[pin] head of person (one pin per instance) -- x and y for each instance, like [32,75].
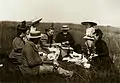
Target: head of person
[21,31]
[35,36]
[50,31]
[23,24]
[98,34]
[65,29]
[89,24]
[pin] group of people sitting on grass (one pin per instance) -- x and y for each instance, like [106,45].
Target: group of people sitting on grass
[38,53]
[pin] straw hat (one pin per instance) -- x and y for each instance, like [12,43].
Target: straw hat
[34,34]
[91,23]
[65,27]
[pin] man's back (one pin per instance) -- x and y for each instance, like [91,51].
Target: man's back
[30,59]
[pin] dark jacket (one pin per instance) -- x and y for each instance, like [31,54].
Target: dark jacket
[62,38]
[101,48]
[103,59]
[31,59]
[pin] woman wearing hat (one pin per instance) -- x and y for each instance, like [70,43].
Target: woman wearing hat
[90,29]
[31,61]
[90,38]
[18,43]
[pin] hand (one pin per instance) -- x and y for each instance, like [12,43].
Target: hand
[56,63]
[95,55]
[67,42]
[90,57]
[40,53]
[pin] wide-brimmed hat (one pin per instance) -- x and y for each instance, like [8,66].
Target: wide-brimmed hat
[65,27]
[34,34]
[91,23]
[88,37]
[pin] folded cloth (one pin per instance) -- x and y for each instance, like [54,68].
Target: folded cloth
[82,61]
[51,56]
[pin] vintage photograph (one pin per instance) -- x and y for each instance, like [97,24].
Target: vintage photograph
[59,41]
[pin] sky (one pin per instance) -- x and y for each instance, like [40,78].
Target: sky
[104,12]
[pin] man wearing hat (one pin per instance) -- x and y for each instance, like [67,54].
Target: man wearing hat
[32,64]
[18,43]
[65,36]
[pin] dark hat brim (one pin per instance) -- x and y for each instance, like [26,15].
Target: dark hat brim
[91,23]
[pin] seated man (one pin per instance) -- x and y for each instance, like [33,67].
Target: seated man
[65,37]
[32,64]
[18,43]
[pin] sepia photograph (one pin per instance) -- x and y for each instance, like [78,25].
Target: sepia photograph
[59,41]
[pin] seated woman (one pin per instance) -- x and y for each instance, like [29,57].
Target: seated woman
[32,64]
[103,59]
[18,43]
[97,51]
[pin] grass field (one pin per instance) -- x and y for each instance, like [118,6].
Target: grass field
[111,36]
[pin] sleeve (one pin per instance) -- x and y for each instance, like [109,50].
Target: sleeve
[17,45]
[71,40]
[58,38]
[105,50]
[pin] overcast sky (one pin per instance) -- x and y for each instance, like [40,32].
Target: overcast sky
[104,12]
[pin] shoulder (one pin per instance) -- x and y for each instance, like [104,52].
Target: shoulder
[59,34]
[16,40]
[103,42]
[69,34]
[29,43]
